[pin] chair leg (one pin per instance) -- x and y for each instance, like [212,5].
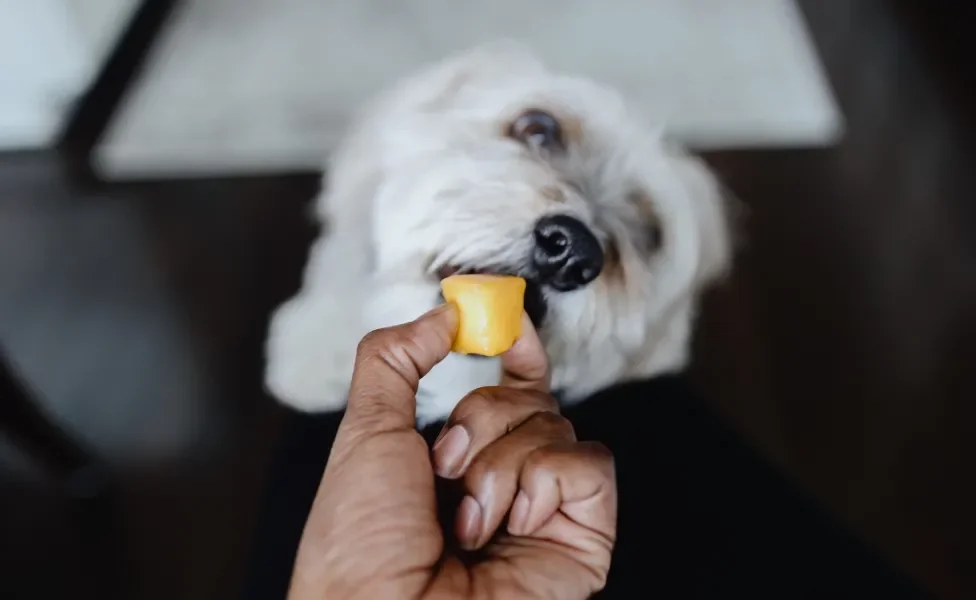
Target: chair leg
[84,480]
[36,435]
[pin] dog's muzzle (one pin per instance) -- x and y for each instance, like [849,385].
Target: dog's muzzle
[567,255]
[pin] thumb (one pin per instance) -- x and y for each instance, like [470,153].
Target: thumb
[378,485]
[389,365]
[525,365]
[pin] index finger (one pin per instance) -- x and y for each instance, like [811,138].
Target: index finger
[525,365]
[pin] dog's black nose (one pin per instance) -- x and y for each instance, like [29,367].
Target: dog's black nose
[567,255]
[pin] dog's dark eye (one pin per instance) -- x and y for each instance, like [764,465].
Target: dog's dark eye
[654,237]
[652,233]
[539,130]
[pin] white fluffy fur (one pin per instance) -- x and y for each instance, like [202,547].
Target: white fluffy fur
[427,177]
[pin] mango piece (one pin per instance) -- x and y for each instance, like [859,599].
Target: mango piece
[490,308]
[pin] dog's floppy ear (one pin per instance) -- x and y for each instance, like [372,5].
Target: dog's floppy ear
[712,206]
[313,336]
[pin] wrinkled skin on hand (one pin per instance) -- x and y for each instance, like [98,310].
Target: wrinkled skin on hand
[538,505]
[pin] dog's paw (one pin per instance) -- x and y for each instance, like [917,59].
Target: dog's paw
[311,351]
[309,395]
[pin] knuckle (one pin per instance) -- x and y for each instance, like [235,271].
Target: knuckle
[597,449]
[539,459]
[535,400]
[546,400]
[373,342]
[587,459]
[477,402]
[387,346]
[555,424]
[482,397]
[601,457]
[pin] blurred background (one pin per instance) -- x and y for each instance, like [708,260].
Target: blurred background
[157,158]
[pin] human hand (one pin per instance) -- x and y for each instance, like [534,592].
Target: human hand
[373,530]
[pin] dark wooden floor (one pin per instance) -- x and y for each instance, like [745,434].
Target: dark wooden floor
[841,347]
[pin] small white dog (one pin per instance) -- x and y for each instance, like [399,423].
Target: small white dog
[489,162]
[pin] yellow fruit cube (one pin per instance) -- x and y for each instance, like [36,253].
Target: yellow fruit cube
[490,308]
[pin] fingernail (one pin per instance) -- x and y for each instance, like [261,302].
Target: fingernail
[437,310]
[519,515]
[449,452]
[469,523]
[447,307]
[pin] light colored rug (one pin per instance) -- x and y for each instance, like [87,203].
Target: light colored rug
[267,85]
[50,53]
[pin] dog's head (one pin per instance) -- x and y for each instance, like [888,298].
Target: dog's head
[491,163]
